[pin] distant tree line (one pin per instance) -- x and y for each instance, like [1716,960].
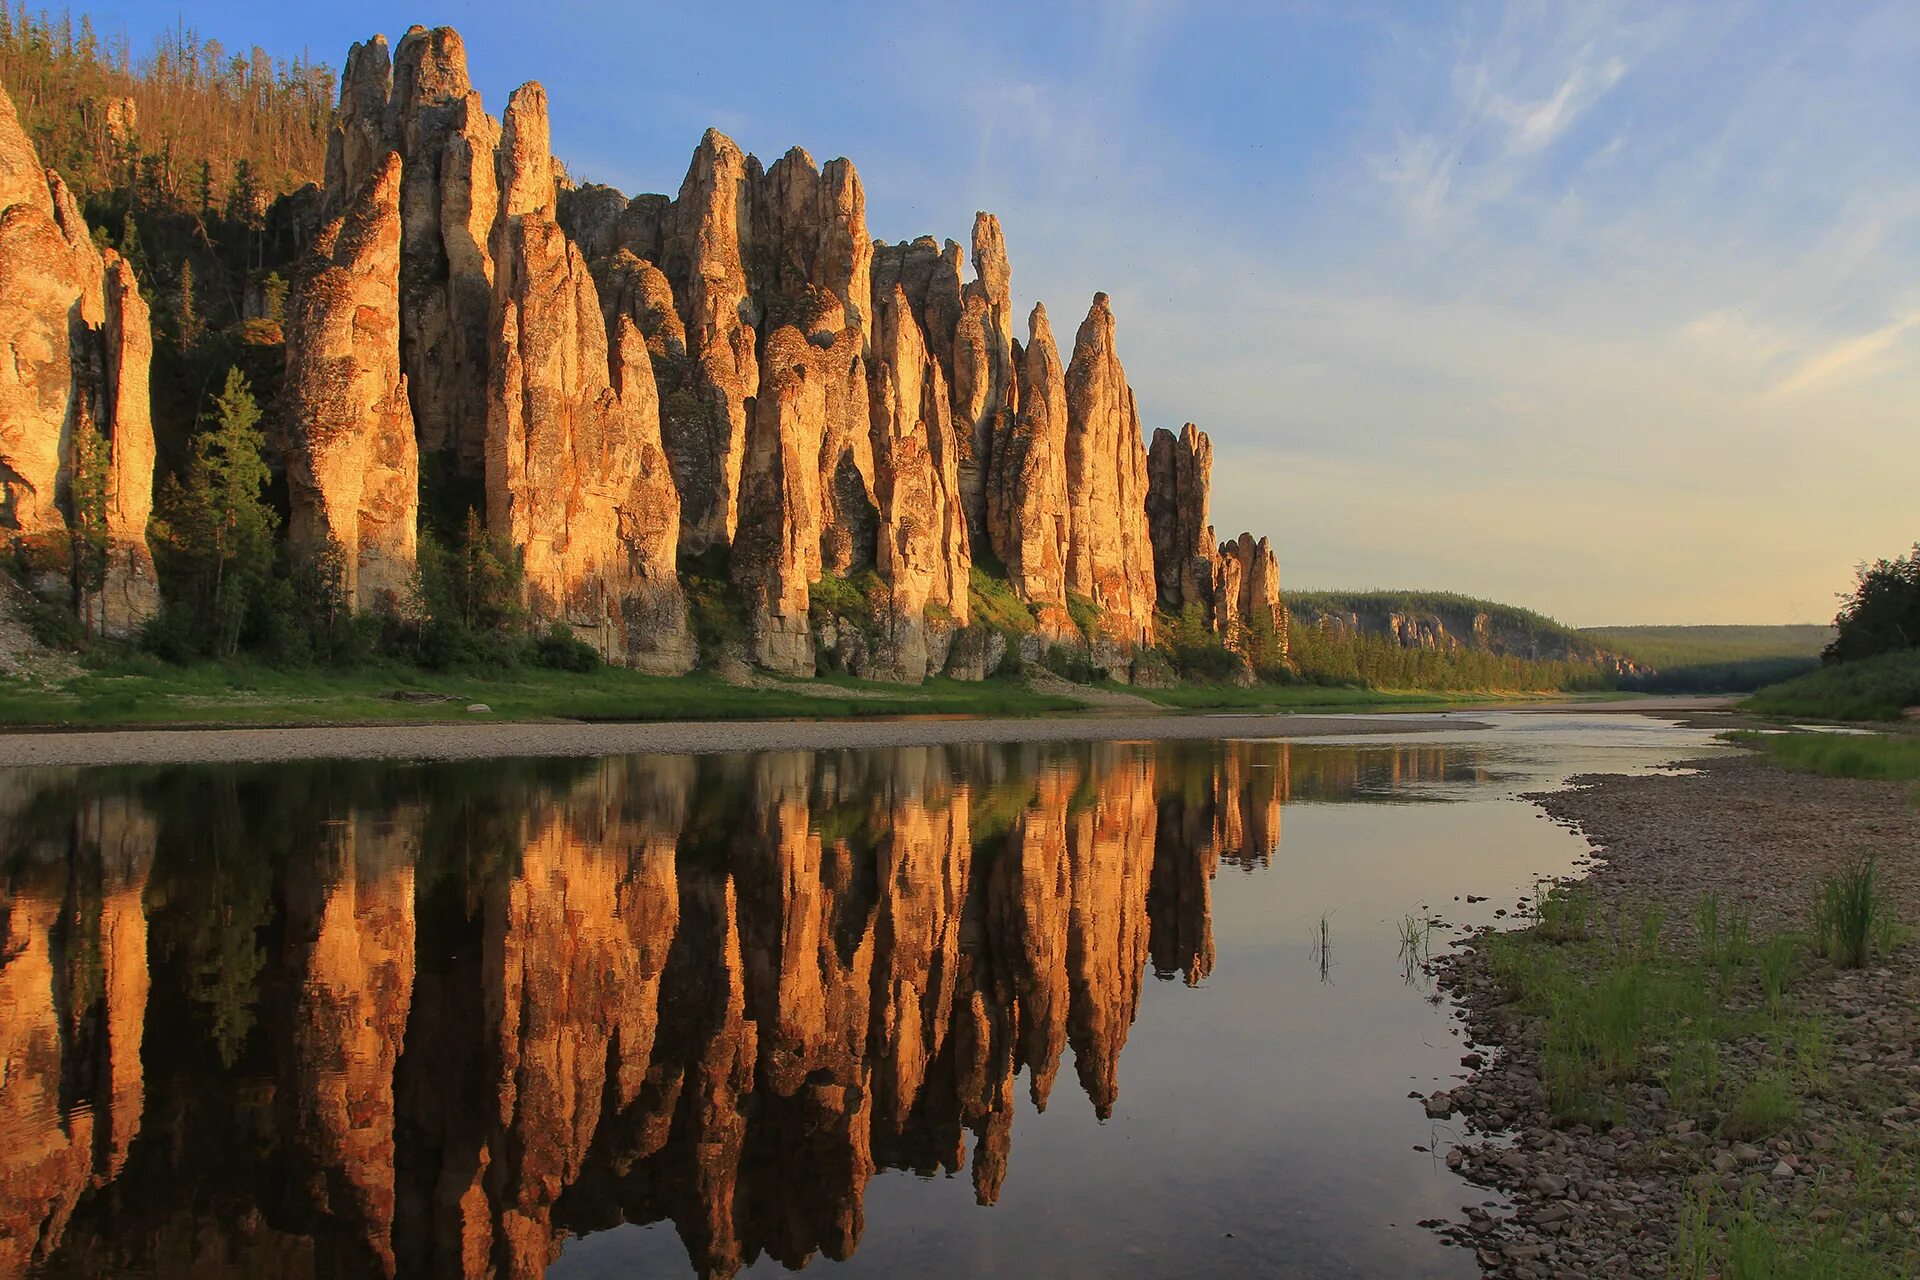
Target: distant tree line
[1343,656]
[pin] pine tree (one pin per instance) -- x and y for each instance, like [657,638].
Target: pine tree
[216,526]
[186,316]
[87,524]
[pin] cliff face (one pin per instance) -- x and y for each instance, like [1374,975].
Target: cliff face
[1109,551]
[738,375]
[576,474]
[353,467]
[75,383]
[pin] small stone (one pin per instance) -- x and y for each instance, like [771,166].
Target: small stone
[1783,1170]
[479,709]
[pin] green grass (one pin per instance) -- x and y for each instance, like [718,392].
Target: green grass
[148,692]
[1888,757]
[1847,916]
[1878,688]
[1329,697]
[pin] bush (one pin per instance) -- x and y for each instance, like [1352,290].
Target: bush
[560,650]
[1072,664]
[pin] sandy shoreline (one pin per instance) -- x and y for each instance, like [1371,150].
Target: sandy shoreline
[483,741]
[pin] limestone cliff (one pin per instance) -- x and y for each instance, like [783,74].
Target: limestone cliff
[353,466]
[76,381]
[923,551]
[701,237]
[1109,553]
[1027,510]
[577,478]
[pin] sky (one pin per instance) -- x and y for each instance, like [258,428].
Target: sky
[1609,310]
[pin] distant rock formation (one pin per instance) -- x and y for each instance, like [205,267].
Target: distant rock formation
[1234,586]
[79,345]
[353,466]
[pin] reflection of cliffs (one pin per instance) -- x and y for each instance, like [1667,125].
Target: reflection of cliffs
[73,1008]
[451,1016]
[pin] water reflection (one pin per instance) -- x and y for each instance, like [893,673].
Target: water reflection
[347,1019]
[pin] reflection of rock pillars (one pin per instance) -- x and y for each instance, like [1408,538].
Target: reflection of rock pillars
[48,1155]
[1252,782]
[1110,849]
[575,948]
[350,930]
[717,991]
[925,860]
[806,925]
[73,1000]
[1185,856]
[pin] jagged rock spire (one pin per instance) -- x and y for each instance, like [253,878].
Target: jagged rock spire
[353,468]
[577,478]
[79,346]
[1109,554]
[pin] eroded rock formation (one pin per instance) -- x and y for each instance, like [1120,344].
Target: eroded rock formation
[1109,553]
[923,553]
[577,478]
[1027,511]
[353,466]
[701,253]
[76,432]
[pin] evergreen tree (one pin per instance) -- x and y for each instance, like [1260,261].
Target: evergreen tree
[216,527]
[87,524]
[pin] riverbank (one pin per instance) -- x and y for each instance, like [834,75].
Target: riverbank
[473,741]
[1668,1078]
[144,691]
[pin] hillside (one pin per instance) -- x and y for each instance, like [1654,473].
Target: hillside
[1721,658]
[1440,639]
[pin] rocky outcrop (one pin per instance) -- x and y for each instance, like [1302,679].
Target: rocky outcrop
[448,202]
[929,274]
[776,552]
[809,232]
[1185,556]
[982,370]
[923,553]
[1249,594]
[701,253]
[74,387]
[353,470]
[1109,553]
[1027,510]
[577,478]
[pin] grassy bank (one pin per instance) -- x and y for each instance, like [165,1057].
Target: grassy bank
[139,690]
[1889,757]
[1879,688]
[1313,697]
[240,693]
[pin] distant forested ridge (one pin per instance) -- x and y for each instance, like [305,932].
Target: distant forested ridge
[1442,640]
[1734,659]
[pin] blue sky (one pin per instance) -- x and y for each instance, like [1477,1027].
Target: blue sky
[1610,310]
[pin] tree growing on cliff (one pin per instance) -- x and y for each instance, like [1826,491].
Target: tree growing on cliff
[1881,613]
[216,529]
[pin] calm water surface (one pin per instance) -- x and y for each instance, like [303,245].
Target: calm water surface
[1032,1010]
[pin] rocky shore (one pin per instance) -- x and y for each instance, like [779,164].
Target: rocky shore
[1779,1125]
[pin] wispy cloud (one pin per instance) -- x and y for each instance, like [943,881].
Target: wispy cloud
[1846,357]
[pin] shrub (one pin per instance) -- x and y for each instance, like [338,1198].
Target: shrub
[560,649]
